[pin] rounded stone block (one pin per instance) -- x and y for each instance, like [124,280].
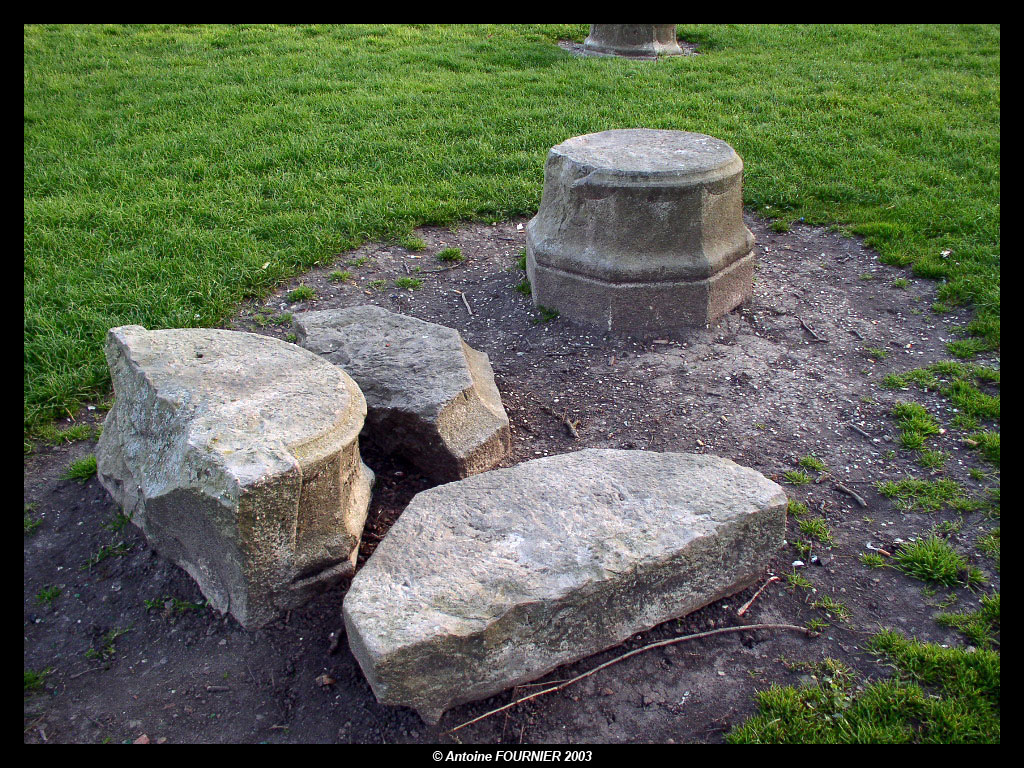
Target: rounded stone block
[238,457]
[641,231]
[644,41]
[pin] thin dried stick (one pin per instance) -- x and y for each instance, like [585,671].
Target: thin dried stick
[566,421]
[855,428]
[810,330]
[465,301]
[856,496]
[750,602]
[570,425]
[83,672]
[623,657]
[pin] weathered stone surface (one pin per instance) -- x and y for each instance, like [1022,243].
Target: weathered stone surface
[641,231]
[429,396]
[644,41]
[237,455]
[495,580]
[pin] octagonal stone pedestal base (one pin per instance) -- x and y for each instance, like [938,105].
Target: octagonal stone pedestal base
[641,231]
[635,41]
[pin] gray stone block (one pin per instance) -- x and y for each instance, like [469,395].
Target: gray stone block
[237,455]
[495,580]
[641,231]
[635,41]
[430,396]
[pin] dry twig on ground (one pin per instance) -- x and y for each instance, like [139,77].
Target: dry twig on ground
[629,654]
[856,496]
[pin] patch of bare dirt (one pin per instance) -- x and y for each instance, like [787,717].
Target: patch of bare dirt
[131,652]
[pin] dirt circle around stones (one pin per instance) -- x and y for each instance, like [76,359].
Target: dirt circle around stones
[130,653]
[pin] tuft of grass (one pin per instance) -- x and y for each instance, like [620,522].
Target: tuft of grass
[35,680]
[359,262]
[547,314]
[971,400]
[894,381]
[173,605]
[933,559]
[31,523]
[82,469]
[302,293]
[960,383]
[965,349]
[796,508]
[377,285]
[873,560]
[798,581]
[412,243]
[932,459]
[105,551]
[117,522]
[340,276]
[990,507]
[900,283]
[927,495]
[876,352]
[988,444]
[47,595]
[964,422]
[106,648]
[937,696]
[521,260]
[816,528]
[50,434]
[947,527]
[989,545]
[412,283]
[981,626]
[451,255]
[525,288]
[796,477]
[831,606]
[915,424]
[813,463]
[779,226]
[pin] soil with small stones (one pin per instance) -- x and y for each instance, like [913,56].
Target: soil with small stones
[131,652]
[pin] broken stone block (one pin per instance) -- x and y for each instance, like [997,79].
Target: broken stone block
[635,41]
[641,231]
[495,580]
[430,397]
[238,457]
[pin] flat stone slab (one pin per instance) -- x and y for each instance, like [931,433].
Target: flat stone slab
[641,231]
[238,457]
[495,580]
[430,397]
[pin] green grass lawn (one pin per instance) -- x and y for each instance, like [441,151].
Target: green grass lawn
[170,172]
